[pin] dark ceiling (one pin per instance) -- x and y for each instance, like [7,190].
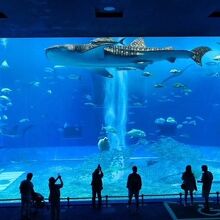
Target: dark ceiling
[87,18]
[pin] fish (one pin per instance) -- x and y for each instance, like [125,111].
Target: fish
[4,42]
[217,58]
[187,90]
[6,90]
[199,118]
[24,120]
[74,76]
[179,85]
[88,97]
[109,129]
[185,122]
[16,130]
[216,74]
[179,126]
[137,104]
[193,122]
[48,70]
[49,91]
[35,83]
[5,98]
[147,74]
[158,85]
[89,104]
[175,71]
[136,133]
[184,135]
[105,52]
[4,64]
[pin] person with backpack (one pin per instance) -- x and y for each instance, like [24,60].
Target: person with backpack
[27,191]
[134,184]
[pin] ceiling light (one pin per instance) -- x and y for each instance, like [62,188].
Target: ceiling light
[109,8]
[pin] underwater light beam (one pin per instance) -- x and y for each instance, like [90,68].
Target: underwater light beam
[122,106]
[116,107]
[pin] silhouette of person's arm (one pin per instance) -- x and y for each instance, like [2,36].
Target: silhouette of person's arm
[61,181]
[140,183]
[32,189]
[194,182]
[128,181]
[101,173]
[201,180]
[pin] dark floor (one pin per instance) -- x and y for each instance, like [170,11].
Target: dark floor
[196,211]
[119,211]
[150,211]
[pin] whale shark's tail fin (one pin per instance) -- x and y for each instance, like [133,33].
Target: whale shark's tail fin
[198,53]
[121,41]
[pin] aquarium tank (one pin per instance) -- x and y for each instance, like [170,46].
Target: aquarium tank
[69,104]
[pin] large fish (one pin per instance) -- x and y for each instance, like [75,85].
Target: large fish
[107,53]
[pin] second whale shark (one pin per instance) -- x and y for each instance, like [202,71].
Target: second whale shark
[107,53]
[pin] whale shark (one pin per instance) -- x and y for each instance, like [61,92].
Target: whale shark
[108,53]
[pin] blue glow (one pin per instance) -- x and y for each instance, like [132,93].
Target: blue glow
[160,112]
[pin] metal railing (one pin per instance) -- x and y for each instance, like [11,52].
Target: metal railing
[107,199]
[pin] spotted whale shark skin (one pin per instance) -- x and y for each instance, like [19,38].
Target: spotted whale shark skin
[108,53]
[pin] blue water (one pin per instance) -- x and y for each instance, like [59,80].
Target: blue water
[160,171]
[45,100]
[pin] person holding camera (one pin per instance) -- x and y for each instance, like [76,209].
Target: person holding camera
[97,186]
[54,197]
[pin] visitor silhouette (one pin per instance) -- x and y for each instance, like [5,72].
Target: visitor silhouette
[54,197]
[189,183]
[97,186]
[134,184]
[206,181]
[27,191]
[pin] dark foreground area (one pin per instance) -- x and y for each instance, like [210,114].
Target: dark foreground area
[149,211]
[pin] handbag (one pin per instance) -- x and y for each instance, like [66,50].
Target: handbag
[183,186]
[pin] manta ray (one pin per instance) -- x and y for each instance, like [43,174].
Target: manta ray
[108,53]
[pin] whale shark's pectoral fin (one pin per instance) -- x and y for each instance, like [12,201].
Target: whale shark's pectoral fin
[105,73]
[171,59]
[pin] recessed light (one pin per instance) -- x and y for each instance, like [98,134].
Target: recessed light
[109,8]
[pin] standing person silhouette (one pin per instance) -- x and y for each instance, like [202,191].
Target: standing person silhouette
[190,183]
[27,191]
[134,184]
[206,180]
[97,186]
[54,197]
